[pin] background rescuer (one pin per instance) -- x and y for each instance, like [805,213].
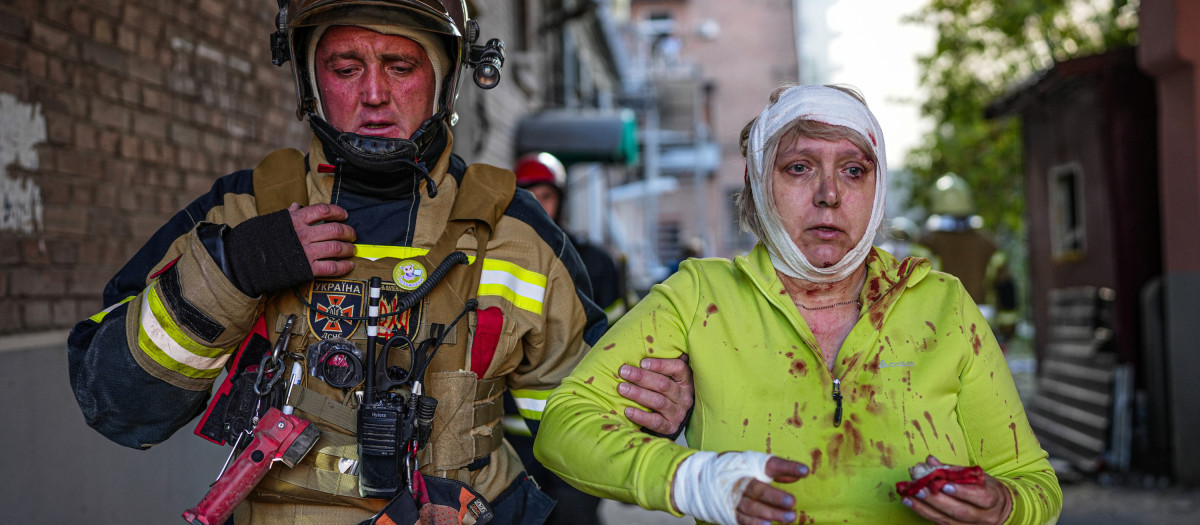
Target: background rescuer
[379,195]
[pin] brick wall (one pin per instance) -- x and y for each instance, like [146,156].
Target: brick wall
[113,116]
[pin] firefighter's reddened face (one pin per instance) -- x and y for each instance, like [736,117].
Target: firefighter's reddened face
[373,84]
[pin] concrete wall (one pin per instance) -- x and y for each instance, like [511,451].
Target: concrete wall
[60,471]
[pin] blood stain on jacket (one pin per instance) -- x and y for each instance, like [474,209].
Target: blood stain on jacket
[799,368]
[885,453]
[873,366]
[917,424]
[976,342]
[1016,444]
[795,420]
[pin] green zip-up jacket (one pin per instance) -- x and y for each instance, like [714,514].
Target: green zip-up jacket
[920,374]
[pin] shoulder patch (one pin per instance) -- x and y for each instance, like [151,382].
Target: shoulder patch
[333,300]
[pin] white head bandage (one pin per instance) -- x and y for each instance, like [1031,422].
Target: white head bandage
[830,106]
[427,41]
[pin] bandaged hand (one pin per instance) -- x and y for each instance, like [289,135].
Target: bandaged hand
[734,487]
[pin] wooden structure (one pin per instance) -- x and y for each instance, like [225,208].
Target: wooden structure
[1089,128]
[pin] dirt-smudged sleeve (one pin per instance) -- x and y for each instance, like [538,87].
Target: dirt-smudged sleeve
[585,437]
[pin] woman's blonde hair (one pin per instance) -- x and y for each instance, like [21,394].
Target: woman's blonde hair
[744,200]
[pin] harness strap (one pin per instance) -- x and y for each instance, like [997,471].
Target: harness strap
[461,439]
[323,409]
[321,469]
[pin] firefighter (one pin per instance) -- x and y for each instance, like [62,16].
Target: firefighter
[482,294]
[959,246]
[546,178]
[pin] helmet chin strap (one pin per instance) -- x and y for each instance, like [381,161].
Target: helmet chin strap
[376,156]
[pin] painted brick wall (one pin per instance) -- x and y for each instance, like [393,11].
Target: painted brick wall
[113,116]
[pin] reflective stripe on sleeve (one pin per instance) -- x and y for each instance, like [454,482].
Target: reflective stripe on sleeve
[163,341]
[523,288]
[104,313]
[531,403]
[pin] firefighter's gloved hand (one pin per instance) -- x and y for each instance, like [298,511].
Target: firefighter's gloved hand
[327,241]
[734,487]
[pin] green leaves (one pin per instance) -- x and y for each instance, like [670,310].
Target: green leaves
[984,49]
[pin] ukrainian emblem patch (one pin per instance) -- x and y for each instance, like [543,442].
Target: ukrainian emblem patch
[333,300]
[409,274]
[406,322]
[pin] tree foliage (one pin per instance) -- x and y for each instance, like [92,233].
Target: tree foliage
[984,49]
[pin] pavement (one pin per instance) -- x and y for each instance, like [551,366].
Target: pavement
[1129,503]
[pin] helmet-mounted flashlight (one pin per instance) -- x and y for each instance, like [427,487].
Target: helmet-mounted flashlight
[487,60]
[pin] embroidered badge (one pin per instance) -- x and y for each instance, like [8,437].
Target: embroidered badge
[333,300]
[403,323]
[408,274]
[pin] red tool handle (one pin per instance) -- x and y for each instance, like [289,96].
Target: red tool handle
[274,433]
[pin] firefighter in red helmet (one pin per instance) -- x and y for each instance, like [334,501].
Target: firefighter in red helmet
[546,178]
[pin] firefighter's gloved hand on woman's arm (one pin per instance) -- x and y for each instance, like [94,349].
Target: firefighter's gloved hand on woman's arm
[734,487]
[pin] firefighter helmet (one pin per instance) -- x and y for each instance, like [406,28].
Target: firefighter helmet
[540,168]
[951,195]
[441,27]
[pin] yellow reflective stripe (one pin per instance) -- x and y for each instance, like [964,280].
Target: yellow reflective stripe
[521,287]
[378,251]
[524,275]
[515,425]
[531,403]
[176,334]
[157,337]
[104,313]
